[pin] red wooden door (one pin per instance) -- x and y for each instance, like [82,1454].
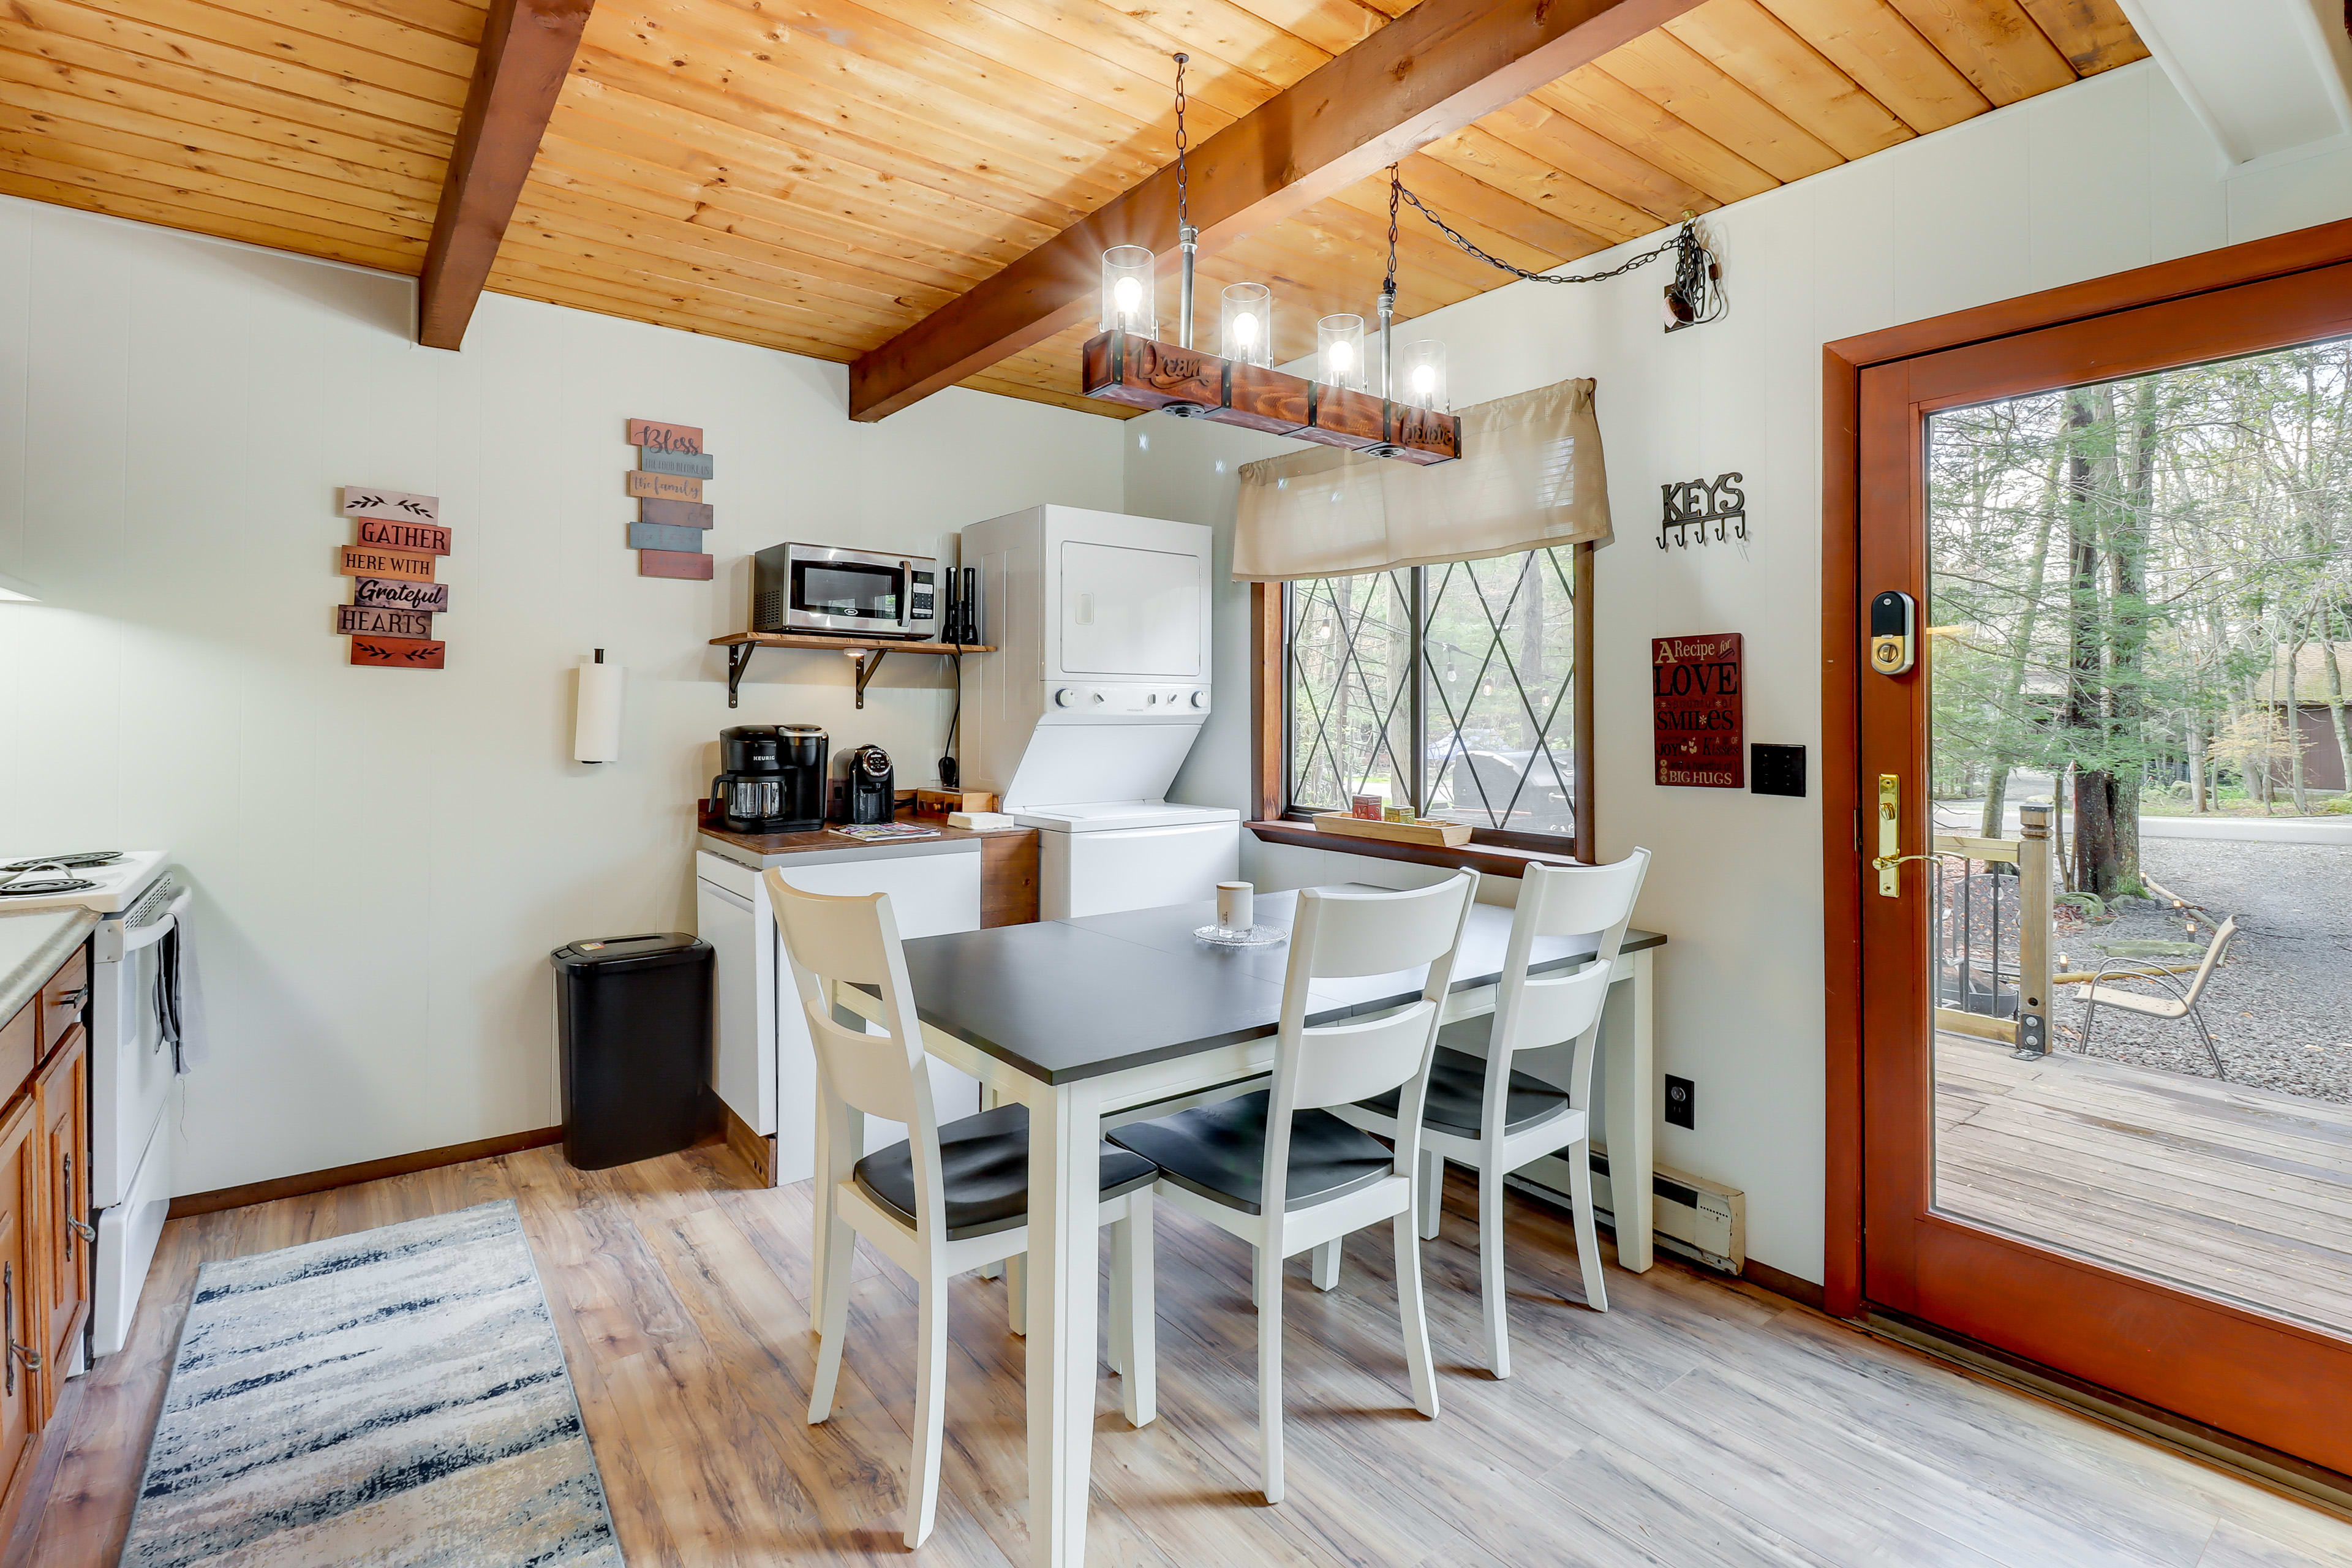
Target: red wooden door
[2223,1359]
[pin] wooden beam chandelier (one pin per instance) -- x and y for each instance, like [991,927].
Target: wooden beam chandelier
[1398,408]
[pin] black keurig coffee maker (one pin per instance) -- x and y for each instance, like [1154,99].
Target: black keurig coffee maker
[771,779]
[866,793]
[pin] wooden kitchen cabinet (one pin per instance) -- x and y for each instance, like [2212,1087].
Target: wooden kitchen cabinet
[20,1392]
[61,1110]
[45,1235]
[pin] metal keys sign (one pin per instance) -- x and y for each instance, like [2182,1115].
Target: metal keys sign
[1696,706]
[1694,503]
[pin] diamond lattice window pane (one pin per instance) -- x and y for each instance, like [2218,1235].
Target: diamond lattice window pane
[1499,678]
[1350,689]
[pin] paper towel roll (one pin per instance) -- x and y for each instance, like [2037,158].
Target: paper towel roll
[596,733]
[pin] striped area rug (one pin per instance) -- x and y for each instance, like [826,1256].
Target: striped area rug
[393,1397]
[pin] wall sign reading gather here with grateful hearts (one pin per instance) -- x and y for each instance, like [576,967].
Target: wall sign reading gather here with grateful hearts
[1696,703]
[392,564]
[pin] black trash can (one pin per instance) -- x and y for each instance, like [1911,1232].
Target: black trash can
[632,1018]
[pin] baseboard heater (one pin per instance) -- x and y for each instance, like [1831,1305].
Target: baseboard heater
[1691,1216]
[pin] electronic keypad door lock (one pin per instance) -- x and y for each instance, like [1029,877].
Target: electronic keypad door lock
[1894,627]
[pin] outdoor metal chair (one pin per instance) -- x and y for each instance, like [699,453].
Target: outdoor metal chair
[2181,1003]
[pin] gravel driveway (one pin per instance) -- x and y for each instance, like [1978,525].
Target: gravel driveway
[2280,1007]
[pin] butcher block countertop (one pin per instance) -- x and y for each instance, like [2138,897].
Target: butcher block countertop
[765,850]
[31,944]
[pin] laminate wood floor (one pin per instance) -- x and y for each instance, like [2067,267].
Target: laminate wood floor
[1699,1423]
[2243,1193]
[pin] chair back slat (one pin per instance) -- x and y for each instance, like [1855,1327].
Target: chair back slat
[1583,900]
[1554,1008]
[1339,1063]
[867,1070]
[1363,931]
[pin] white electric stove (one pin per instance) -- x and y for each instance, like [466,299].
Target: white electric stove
[133,1077]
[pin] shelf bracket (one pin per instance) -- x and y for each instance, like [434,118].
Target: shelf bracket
[867,663]
[739,655]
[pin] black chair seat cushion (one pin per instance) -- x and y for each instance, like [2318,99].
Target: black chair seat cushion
[1457,1097]
[985,1165]
[1219,1152]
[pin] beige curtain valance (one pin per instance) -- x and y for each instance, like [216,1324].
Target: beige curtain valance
[1531,477]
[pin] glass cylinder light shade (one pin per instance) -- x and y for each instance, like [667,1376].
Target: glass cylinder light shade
[1420,375]
[1339,352]
[1130,301]
[1249,323]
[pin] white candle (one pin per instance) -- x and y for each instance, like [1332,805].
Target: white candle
[1236,906]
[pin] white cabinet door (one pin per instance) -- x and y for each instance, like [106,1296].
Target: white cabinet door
[743,1066]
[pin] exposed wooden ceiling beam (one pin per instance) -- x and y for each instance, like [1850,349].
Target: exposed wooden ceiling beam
[526,51]
[1440,66]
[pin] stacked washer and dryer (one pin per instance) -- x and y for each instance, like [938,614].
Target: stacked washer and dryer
[1098,687]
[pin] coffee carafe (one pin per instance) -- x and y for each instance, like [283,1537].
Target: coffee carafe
[772,778]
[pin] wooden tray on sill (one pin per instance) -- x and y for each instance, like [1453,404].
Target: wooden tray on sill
[1436,835]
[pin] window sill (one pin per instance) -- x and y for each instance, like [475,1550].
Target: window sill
[1488,859]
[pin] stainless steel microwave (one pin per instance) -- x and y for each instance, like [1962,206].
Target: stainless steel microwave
[823,588]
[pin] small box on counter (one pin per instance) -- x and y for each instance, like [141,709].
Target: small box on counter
[1367,806]
[940,802]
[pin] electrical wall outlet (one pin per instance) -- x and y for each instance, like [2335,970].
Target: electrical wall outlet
[1682,1103]
[1776,770]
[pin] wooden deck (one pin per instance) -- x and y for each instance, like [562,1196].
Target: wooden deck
[2242,1193]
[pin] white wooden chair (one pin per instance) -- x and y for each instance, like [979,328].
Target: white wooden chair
[1495,1120]
[1219,1161]
[947,1200]
[2181,1002]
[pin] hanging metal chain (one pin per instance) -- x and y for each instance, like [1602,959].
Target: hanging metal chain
[1396,189]
[1685,236]
[1183,216]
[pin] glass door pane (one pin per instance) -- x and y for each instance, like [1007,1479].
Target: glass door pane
[2139,629]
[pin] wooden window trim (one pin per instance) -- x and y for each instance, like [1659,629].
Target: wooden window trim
[1843,363]
[1499,852]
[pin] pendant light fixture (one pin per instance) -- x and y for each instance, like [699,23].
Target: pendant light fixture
[1348,403]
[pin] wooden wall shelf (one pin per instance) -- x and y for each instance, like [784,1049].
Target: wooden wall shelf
[869,652]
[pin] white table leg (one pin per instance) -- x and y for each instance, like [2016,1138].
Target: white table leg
[1633,1118]
[1065,1176]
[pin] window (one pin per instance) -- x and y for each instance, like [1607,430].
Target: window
[1451,688]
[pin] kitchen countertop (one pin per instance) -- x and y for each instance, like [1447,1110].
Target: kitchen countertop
[31,944]
[765,850]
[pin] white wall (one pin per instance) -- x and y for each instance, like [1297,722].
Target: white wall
[385,859]
[2110,173]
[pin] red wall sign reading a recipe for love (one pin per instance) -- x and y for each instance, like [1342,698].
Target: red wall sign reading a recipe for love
[392,563]
[1697,711]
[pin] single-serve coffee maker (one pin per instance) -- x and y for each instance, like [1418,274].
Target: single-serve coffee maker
[772,778]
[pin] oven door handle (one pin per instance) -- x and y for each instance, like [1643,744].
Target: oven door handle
[149,935]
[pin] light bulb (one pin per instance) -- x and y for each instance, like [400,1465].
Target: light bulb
[1424,380]
[1246,329]
[1343,357]
[1126,294]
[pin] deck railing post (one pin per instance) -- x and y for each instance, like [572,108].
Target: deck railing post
[2033,878]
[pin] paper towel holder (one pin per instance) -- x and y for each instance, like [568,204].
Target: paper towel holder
[607,740]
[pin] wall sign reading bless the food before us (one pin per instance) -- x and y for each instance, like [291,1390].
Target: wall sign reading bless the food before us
[392,566]
[1696,713]
[672,517]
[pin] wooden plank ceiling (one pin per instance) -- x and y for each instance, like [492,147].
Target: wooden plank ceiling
[817,175]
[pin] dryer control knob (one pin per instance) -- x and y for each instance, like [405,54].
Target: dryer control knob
[1199,700]
[1151,698]
[1098,697]
[1065,696]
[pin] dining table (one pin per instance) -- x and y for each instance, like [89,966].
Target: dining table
[1083,1019]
